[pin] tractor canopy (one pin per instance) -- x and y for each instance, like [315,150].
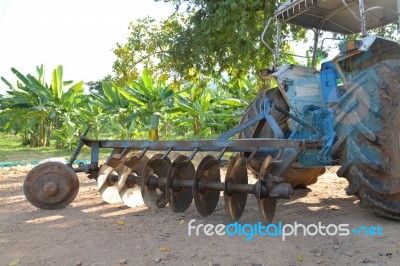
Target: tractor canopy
[339,16]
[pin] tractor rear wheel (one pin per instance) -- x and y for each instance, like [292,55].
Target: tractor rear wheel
[368,129]
[297,177]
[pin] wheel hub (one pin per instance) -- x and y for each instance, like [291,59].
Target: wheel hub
[50,189]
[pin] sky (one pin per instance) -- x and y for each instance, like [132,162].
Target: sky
[78,34]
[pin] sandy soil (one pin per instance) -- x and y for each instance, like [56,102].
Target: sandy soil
[90,232]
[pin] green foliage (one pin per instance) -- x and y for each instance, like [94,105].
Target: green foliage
[34,109]
[206,40]
[68,132]
[148,46]
[195,105]
[129,110]
[41,113]
[153,100]
[207,112]
[109,110]
[97,86]
[321,54]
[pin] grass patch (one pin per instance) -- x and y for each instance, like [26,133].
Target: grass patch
[11,150]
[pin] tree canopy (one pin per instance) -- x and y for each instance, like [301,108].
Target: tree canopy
[207,38]
[204,39]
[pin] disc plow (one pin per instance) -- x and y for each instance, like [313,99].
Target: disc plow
[131,177]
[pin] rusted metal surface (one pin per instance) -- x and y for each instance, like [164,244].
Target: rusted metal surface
[107,182]
[266,204]
[267,207]
[107,179]
[152,192]
[51,186]
[162,182]
[206,200]
[240,145]
[179,195]
[130,180]
[236,174]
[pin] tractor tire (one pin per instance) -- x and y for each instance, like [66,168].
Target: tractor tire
[297,177]
[368,130]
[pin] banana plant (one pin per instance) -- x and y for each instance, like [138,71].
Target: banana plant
[210,111]
[153,100]
[195,104]
[34,109]
[112,111]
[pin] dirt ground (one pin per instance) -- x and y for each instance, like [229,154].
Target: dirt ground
[91,232]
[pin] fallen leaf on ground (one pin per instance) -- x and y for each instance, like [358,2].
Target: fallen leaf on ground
[119,222]
[164,249]
[14,262]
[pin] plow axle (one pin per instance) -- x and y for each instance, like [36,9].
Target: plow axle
[177,183]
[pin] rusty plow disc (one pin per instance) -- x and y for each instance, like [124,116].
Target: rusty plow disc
[179,184]
[107,182]
[51,186]
[207,172]
[130,180]
[235,202]
[266,204]
[153,182]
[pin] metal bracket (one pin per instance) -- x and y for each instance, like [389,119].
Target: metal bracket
[287,158]
[167,152]
[266,108]
[241,127]
[94,156]
[325,155]
[142,153]
[295,118]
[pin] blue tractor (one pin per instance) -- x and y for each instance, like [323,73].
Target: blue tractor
[346,114]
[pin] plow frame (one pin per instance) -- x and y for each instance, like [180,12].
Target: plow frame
[286,149]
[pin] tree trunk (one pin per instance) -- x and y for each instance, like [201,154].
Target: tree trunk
[197,126]
[154,123]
